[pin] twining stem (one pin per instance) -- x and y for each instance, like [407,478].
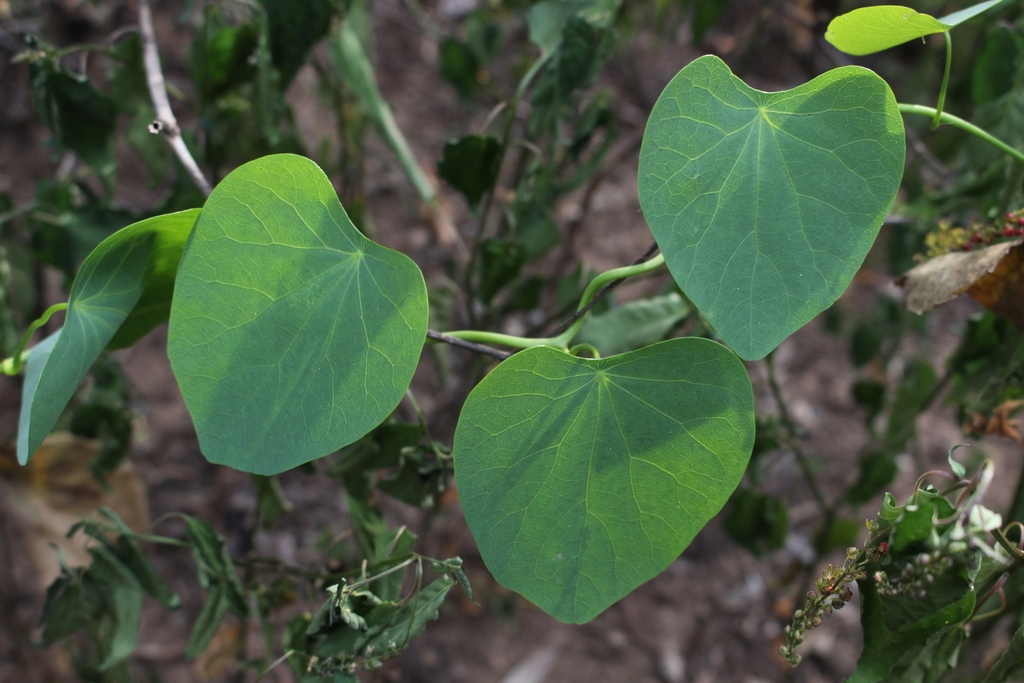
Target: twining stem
[168,124]
[392,570]
[14,364]
[468,345]
[802,460]
[562,340]
[481,226]
[598,283]
[945,81]
[590,348]
[583,310]
[964,125]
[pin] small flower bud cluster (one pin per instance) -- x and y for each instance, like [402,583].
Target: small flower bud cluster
[833,593]
[946,237]
[916,576]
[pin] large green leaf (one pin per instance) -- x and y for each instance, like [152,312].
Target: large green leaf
[122,291]
[873,29]
[765,204]
[581,479]
[291,334]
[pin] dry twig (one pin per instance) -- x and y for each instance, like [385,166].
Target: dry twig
[165,124]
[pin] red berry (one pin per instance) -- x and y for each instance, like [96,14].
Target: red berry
[976,238]
[1019,232]
[966,246]
[1020,221]
[1008,231]
[1008,216]
[883,548]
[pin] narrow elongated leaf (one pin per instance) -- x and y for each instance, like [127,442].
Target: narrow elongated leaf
[122,291]
[581,479]
[214,564]
[957,18]
[354,64]
[765,204]
[291,334]
[209,620]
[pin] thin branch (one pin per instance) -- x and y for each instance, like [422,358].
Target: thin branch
[647,255]
[794,440]
[165,124]
[468,345]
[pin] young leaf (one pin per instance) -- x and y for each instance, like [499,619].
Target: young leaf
[470,165]
[872,29]
[82,118]
[121,292]
[765,204]
[291,334]
[460,66]
[581,479]
[955,467]
[634,324]
[389,629]
[757,521]
[412,618]
[121,604]
[501,261]
[546,20]
[213,561]
[69,607]
[214,610]
[295,27]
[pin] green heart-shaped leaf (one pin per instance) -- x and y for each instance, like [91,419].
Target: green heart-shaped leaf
[581,479]
[291,334]
[765,204]
[122,291]
[872,29]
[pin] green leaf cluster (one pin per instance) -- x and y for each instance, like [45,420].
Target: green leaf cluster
[106,597]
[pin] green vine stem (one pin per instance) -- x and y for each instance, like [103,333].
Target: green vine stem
[589,348]
[945,82]
[14,364]
[964,125]
[562,340]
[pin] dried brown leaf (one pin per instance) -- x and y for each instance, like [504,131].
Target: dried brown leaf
[56,490]
[991,274]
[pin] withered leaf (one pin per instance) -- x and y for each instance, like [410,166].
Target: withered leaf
[993,275]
